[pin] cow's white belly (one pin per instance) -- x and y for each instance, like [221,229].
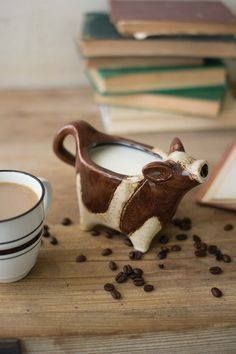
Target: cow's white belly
[111,217]
[142,237]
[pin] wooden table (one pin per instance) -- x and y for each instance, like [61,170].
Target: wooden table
[61,306]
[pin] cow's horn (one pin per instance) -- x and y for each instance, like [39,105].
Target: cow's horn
[176,145]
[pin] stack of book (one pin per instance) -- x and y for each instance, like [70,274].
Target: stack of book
[157,65]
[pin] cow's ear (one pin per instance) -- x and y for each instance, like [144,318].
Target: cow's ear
[157,172]
[176,145]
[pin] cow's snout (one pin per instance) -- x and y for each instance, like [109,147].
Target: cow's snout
[199,170]
[204,170]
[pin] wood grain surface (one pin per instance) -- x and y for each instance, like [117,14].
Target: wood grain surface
[62,298]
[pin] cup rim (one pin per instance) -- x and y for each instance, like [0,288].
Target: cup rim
[38,202]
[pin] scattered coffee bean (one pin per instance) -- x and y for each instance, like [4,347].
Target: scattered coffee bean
[184,224]
[212,249]
[162,254]
[127,269]
[109,287]
[106,252]
[202,246]
[121,277]
[108,234]
[196,239]
[115,294]
[200,253]
[148,288]
[186,220]
[138,281]
[215,270]
[46,232]
[219,255]
[46,227]
[226,258]
[53,240]
[95,232]
[135,255]
[228,227]
[216,292]
[127,242]
[175,248]
[66,221]
[161,266]
[138,272]
[133,275]
[163,239]
[181,237]
[112,265]
[81,258]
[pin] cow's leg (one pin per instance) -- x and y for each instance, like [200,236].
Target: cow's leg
[142,238]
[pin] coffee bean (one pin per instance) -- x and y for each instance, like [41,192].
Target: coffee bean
[95,232]
[66,221]
[196,239]
[127,242]
[112,265]
[215,270]
[138,272]
[108,234]
[200,253]
[115,294]
[212,249]
[216,292]
[138,281]
[53,240]
[106,252]
[109,287]
[161,266]
[185,227]
[46,232]
[228,227]
[162,254]
[121,277]
[177,222]
[175,248]
[186,220]
[127,269]
[46,227]
[133,275]
[226,258]
[181,237]
[219,255]
[148,288]
[165,249]
[135,255]
[81,258]
[202,246]
[163,239]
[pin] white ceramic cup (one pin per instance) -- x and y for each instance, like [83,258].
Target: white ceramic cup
[20,236]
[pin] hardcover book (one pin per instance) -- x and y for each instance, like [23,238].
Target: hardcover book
[99,38]
[143,18]
[126,80]
[220,190]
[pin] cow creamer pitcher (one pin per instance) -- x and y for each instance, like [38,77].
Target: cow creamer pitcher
[125,185]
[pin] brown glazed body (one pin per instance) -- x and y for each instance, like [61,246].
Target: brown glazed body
[138,206]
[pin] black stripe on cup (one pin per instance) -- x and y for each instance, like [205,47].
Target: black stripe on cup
[21,238]
[21,247]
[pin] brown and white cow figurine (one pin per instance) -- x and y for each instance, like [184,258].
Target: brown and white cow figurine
[128,186]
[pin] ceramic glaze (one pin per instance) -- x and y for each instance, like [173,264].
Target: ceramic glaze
[122,159]
[128,186]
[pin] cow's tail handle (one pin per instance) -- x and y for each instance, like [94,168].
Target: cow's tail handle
[80,130]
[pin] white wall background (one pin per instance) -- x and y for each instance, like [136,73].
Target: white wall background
[37,41]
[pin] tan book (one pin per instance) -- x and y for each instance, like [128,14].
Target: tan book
[123,120]
[203,101]
[126,80]
[143,18]
[220,189]
[139,62]
[99,38]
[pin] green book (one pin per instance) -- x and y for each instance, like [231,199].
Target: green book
[146,79]
[99,38]
[198,101]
